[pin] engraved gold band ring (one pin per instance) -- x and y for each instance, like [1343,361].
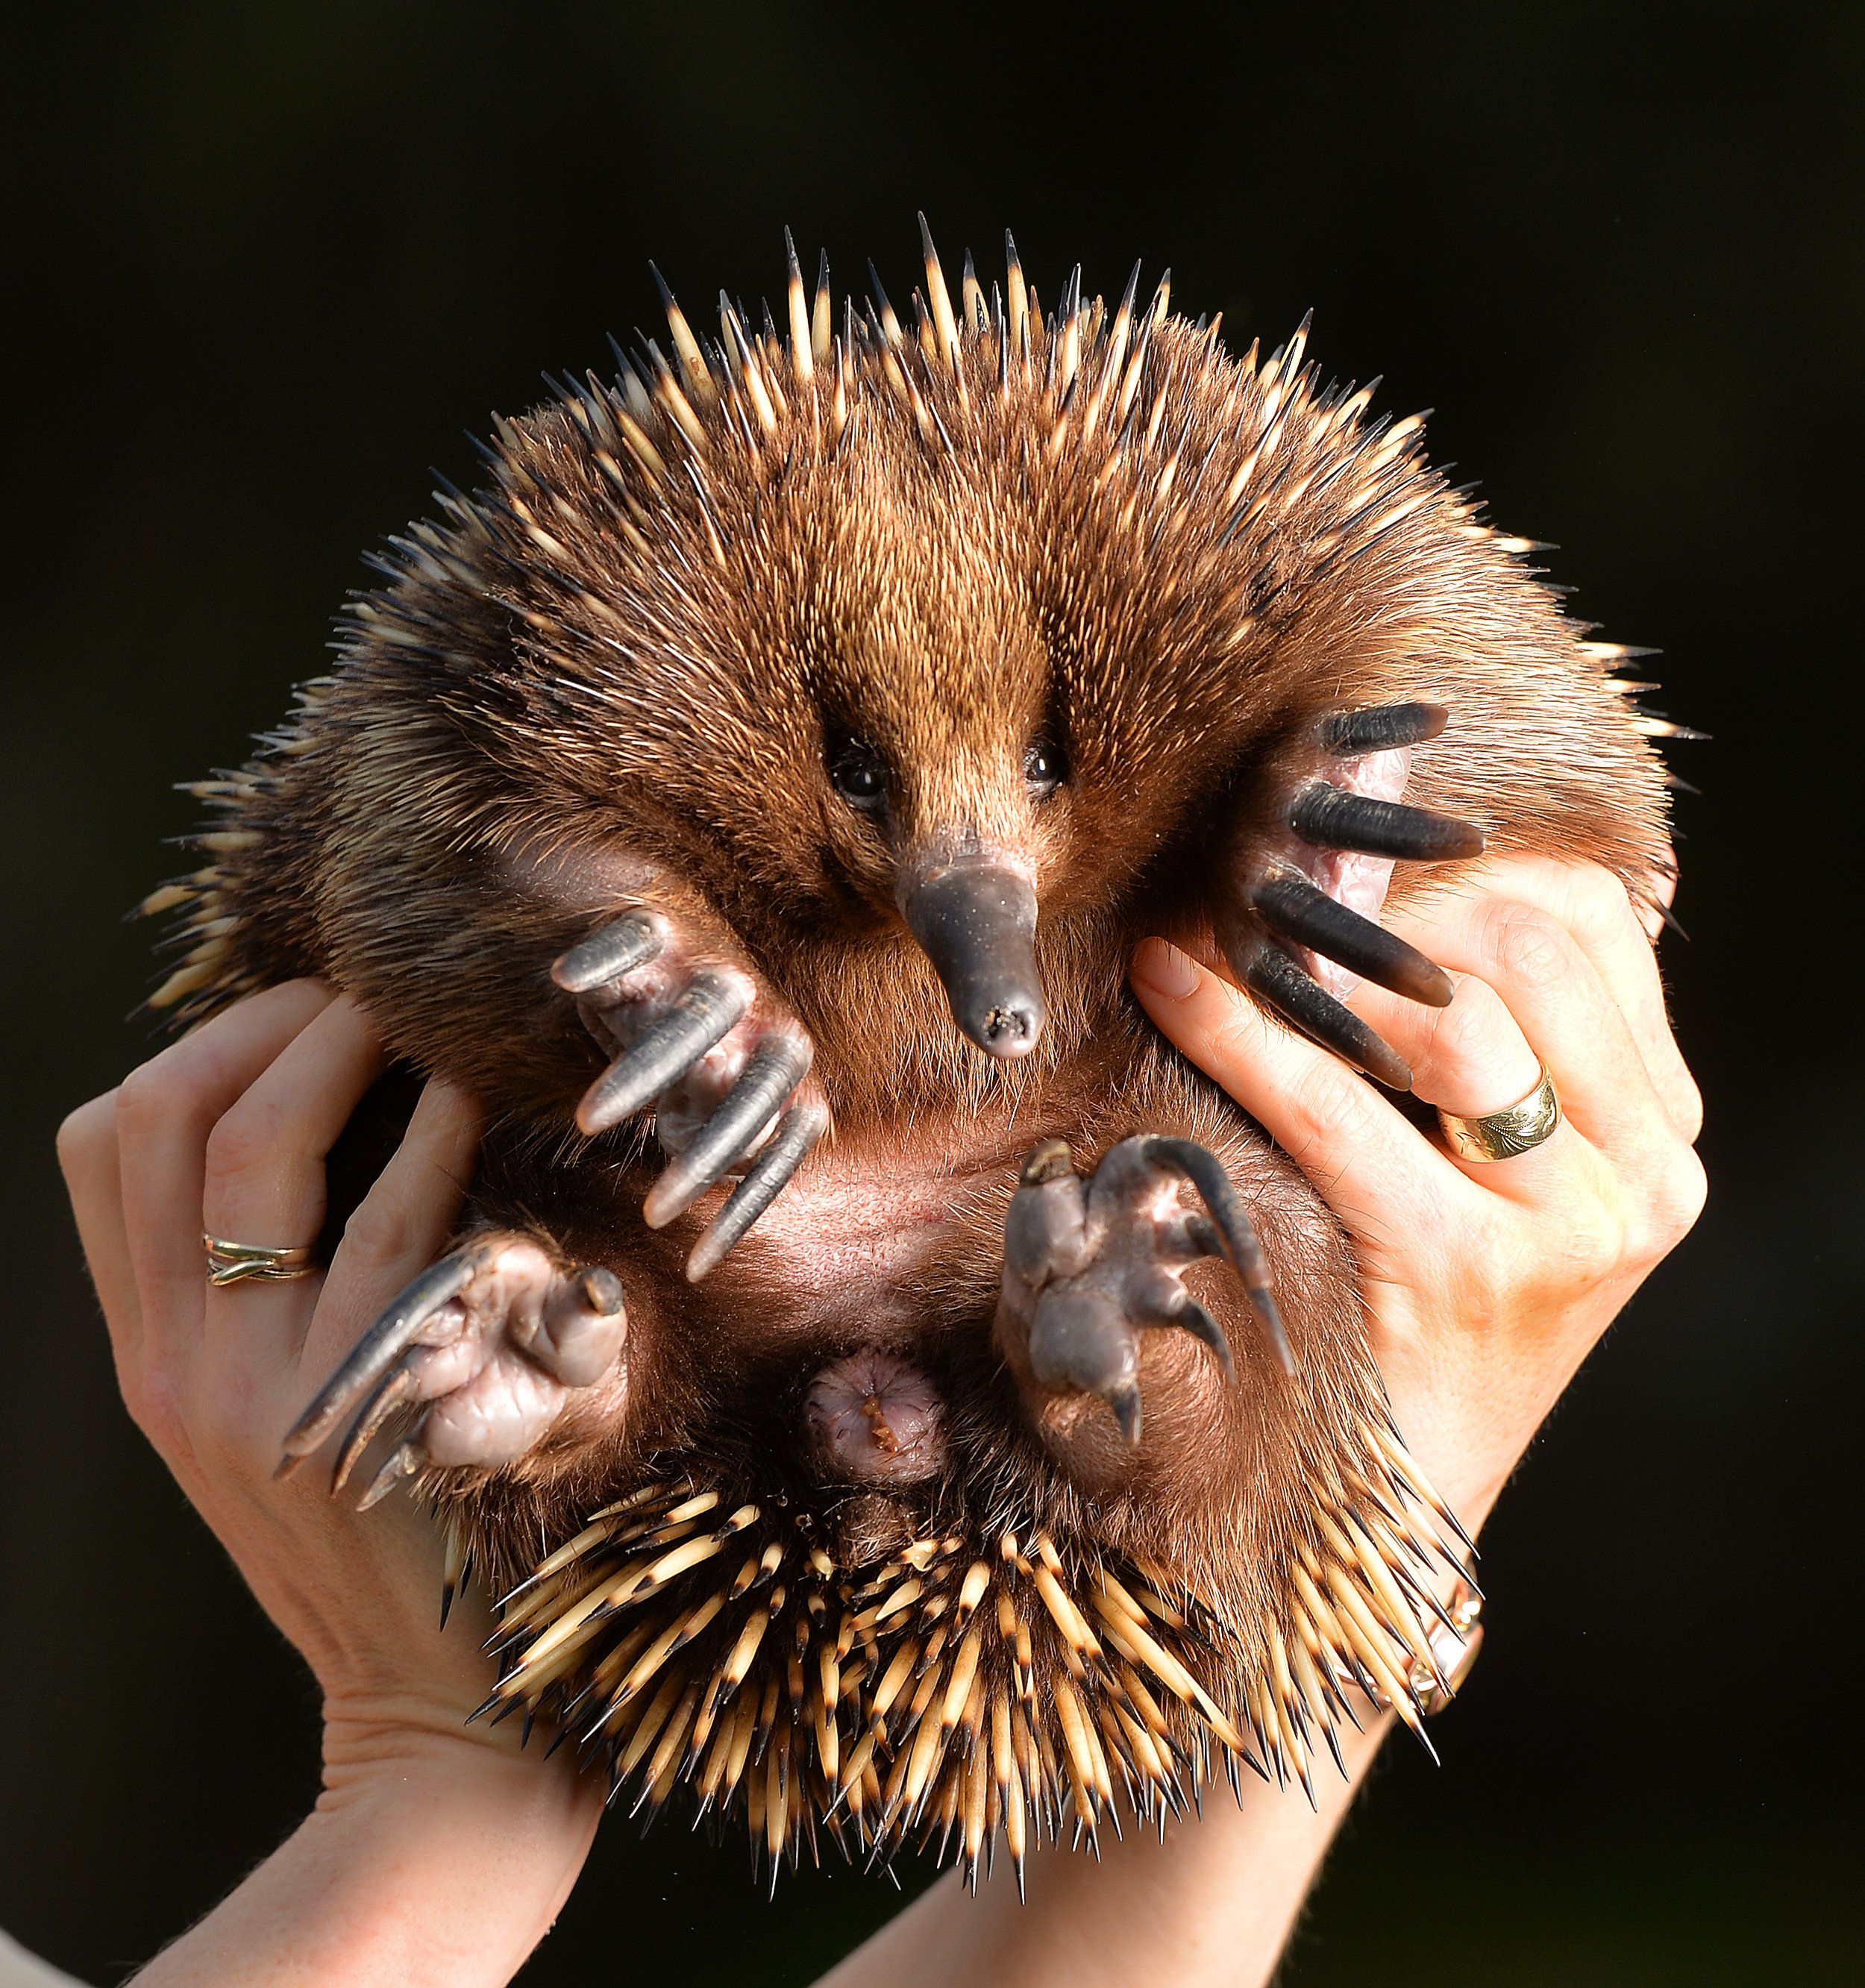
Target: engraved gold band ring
[236,1262]
[1502,1135]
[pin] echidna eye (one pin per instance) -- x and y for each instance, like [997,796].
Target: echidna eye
[858,774]
[1042,768]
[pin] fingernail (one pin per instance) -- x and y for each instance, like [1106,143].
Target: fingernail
[1162,969]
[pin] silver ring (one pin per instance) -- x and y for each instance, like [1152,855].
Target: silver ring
[241,1262]
[1505,1135]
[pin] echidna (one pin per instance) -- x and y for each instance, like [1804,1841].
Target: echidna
[800,696]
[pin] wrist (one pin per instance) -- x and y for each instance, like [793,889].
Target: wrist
[434,1856]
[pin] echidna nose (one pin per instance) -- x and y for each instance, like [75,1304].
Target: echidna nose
[976,919]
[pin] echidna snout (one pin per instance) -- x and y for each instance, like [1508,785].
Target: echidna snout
[976,917]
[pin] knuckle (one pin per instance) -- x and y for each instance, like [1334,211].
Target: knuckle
[148,1097]
[1683,1189]
[84,1130]
[240,1144]
[377,1234]
[1599,907]
[1336,1109]
[1600,1242]
[1532,949]
[1686,1104]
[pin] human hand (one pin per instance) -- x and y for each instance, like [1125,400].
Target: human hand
[227,1130]
[1485,1283]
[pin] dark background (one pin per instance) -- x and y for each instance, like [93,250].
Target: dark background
[266,264]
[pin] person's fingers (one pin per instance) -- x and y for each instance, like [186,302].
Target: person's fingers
[399,1229]
[1366,1162]
[265,1176]
[1549,986]
[165,1111]
[88,1157]
[1469,1058]
[1472,1059]
[1594,909]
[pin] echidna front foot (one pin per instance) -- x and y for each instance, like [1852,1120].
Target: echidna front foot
[1299,918]
[699,1035]
[479,1357]
[1090,1265]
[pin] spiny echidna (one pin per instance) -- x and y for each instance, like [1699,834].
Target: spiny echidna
[800,695]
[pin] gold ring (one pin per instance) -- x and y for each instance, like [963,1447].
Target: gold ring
[1501,1135]
[236,1262]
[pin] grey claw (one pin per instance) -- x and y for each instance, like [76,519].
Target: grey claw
[1201,1166]
[378,1351]
[797,1131]
[1199,1323]
[1330,817]
[780,1064]
[398,1388]
[665,1051]
[1270,973]
[617,949]
[1124,1399]
[1380,727]
[409,1460]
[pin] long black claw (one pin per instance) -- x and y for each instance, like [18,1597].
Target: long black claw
[380,1347]
[1205,1170]
[665,1051]
[1292,907]
[797,1131]
[408,1461]
[780,1065]
[1269,973]
[398,1388]
[1199,1323]
[1381,727]
[617,949]
[1331,818]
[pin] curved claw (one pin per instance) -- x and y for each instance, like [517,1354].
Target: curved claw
[1081,1340]
[1380,727]
[1292,908]
[1268,972]
[1332,818]
[399,1388]
[1124,1399]
[797,1131]
[1198,1322]
[619,948]
[409,1460]
[378,1351]
[663,1052]
[1205,1171]
[780,1064]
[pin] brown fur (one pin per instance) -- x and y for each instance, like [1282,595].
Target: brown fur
[611,677]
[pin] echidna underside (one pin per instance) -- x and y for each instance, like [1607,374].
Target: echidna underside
[753,794]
